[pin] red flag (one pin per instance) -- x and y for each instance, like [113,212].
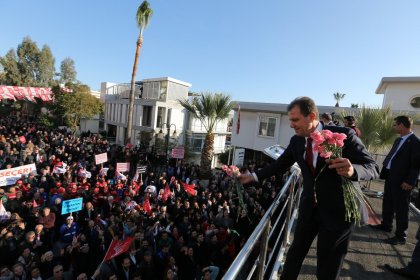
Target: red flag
[238,123]
[189,189]
[22,139]
[116,248]
[166,193]
[146,206]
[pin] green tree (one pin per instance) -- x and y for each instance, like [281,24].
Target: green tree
[209,109]
[354,105]
[224,157]
[74,106]
[144,13]
[28,66]
[68,71]
[10,66]
[46,67]
[375,124]
[28,57]
[338,97]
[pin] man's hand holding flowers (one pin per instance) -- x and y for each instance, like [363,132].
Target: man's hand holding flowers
[343,166]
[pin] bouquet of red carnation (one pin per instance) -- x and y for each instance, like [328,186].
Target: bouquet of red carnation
[329,145]
[233,172]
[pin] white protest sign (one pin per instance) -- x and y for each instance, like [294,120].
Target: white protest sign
[123,166]
[101,158]
[11,175]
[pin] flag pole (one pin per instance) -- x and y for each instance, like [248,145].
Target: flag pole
[103,260]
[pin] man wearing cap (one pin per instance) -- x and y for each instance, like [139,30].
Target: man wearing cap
[68,230]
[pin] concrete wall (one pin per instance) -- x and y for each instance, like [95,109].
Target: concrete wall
[248,134]
[89,124]
[399,95]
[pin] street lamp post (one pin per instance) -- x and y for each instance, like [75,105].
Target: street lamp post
[168,132]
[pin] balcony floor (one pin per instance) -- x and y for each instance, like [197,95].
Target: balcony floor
[367,252]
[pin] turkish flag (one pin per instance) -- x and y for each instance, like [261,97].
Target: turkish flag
[166,193]
[189,189]
[117,248]
[146,206]
[22,139]
[238,123]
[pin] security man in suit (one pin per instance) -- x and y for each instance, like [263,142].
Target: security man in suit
[325,217]
[400,171]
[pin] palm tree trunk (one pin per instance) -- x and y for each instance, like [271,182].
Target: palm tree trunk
[132,90]
[207,156]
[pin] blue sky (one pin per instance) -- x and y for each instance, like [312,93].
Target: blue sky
[263,51]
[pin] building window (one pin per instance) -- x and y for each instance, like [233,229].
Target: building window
[151,90]
[196,142]
[147,116]
[415,102]
[163,90]
[160,116]
[267,126]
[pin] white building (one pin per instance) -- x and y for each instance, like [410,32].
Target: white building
[93,124]
[155,107]
[402,94]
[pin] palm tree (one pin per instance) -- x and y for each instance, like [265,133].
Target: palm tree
[338,97]
[144,13]
[209,109]
[375,124]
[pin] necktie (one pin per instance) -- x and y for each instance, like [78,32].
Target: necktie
[310,155]
[392,152]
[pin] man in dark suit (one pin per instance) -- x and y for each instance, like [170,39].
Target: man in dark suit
[412,270]
[326,216]
[400,171]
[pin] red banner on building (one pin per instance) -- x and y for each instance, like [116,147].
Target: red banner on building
[238,123]
[25,93]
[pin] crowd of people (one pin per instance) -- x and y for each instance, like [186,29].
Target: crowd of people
[181,229]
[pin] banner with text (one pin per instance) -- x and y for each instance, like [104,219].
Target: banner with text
[123,166]
[101,158]
[178,152]
[11,175]
[71,205]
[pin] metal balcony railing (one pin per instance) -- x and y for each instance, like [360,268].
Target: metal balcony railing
[123,91]
[262,255]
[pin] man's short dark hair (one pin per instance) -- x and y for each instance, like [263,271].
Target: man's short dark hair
[327,116]
[406,121]
[349,118]
[305,104]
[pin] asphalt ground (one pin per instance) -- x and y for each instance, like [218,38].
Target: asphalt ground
[367,252]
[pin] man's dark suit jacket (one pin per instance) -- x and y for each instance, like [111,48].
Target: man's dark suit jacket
[405,165]
[329,191]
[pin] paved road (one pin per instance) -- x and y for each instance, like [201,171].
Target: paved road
[367,253]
